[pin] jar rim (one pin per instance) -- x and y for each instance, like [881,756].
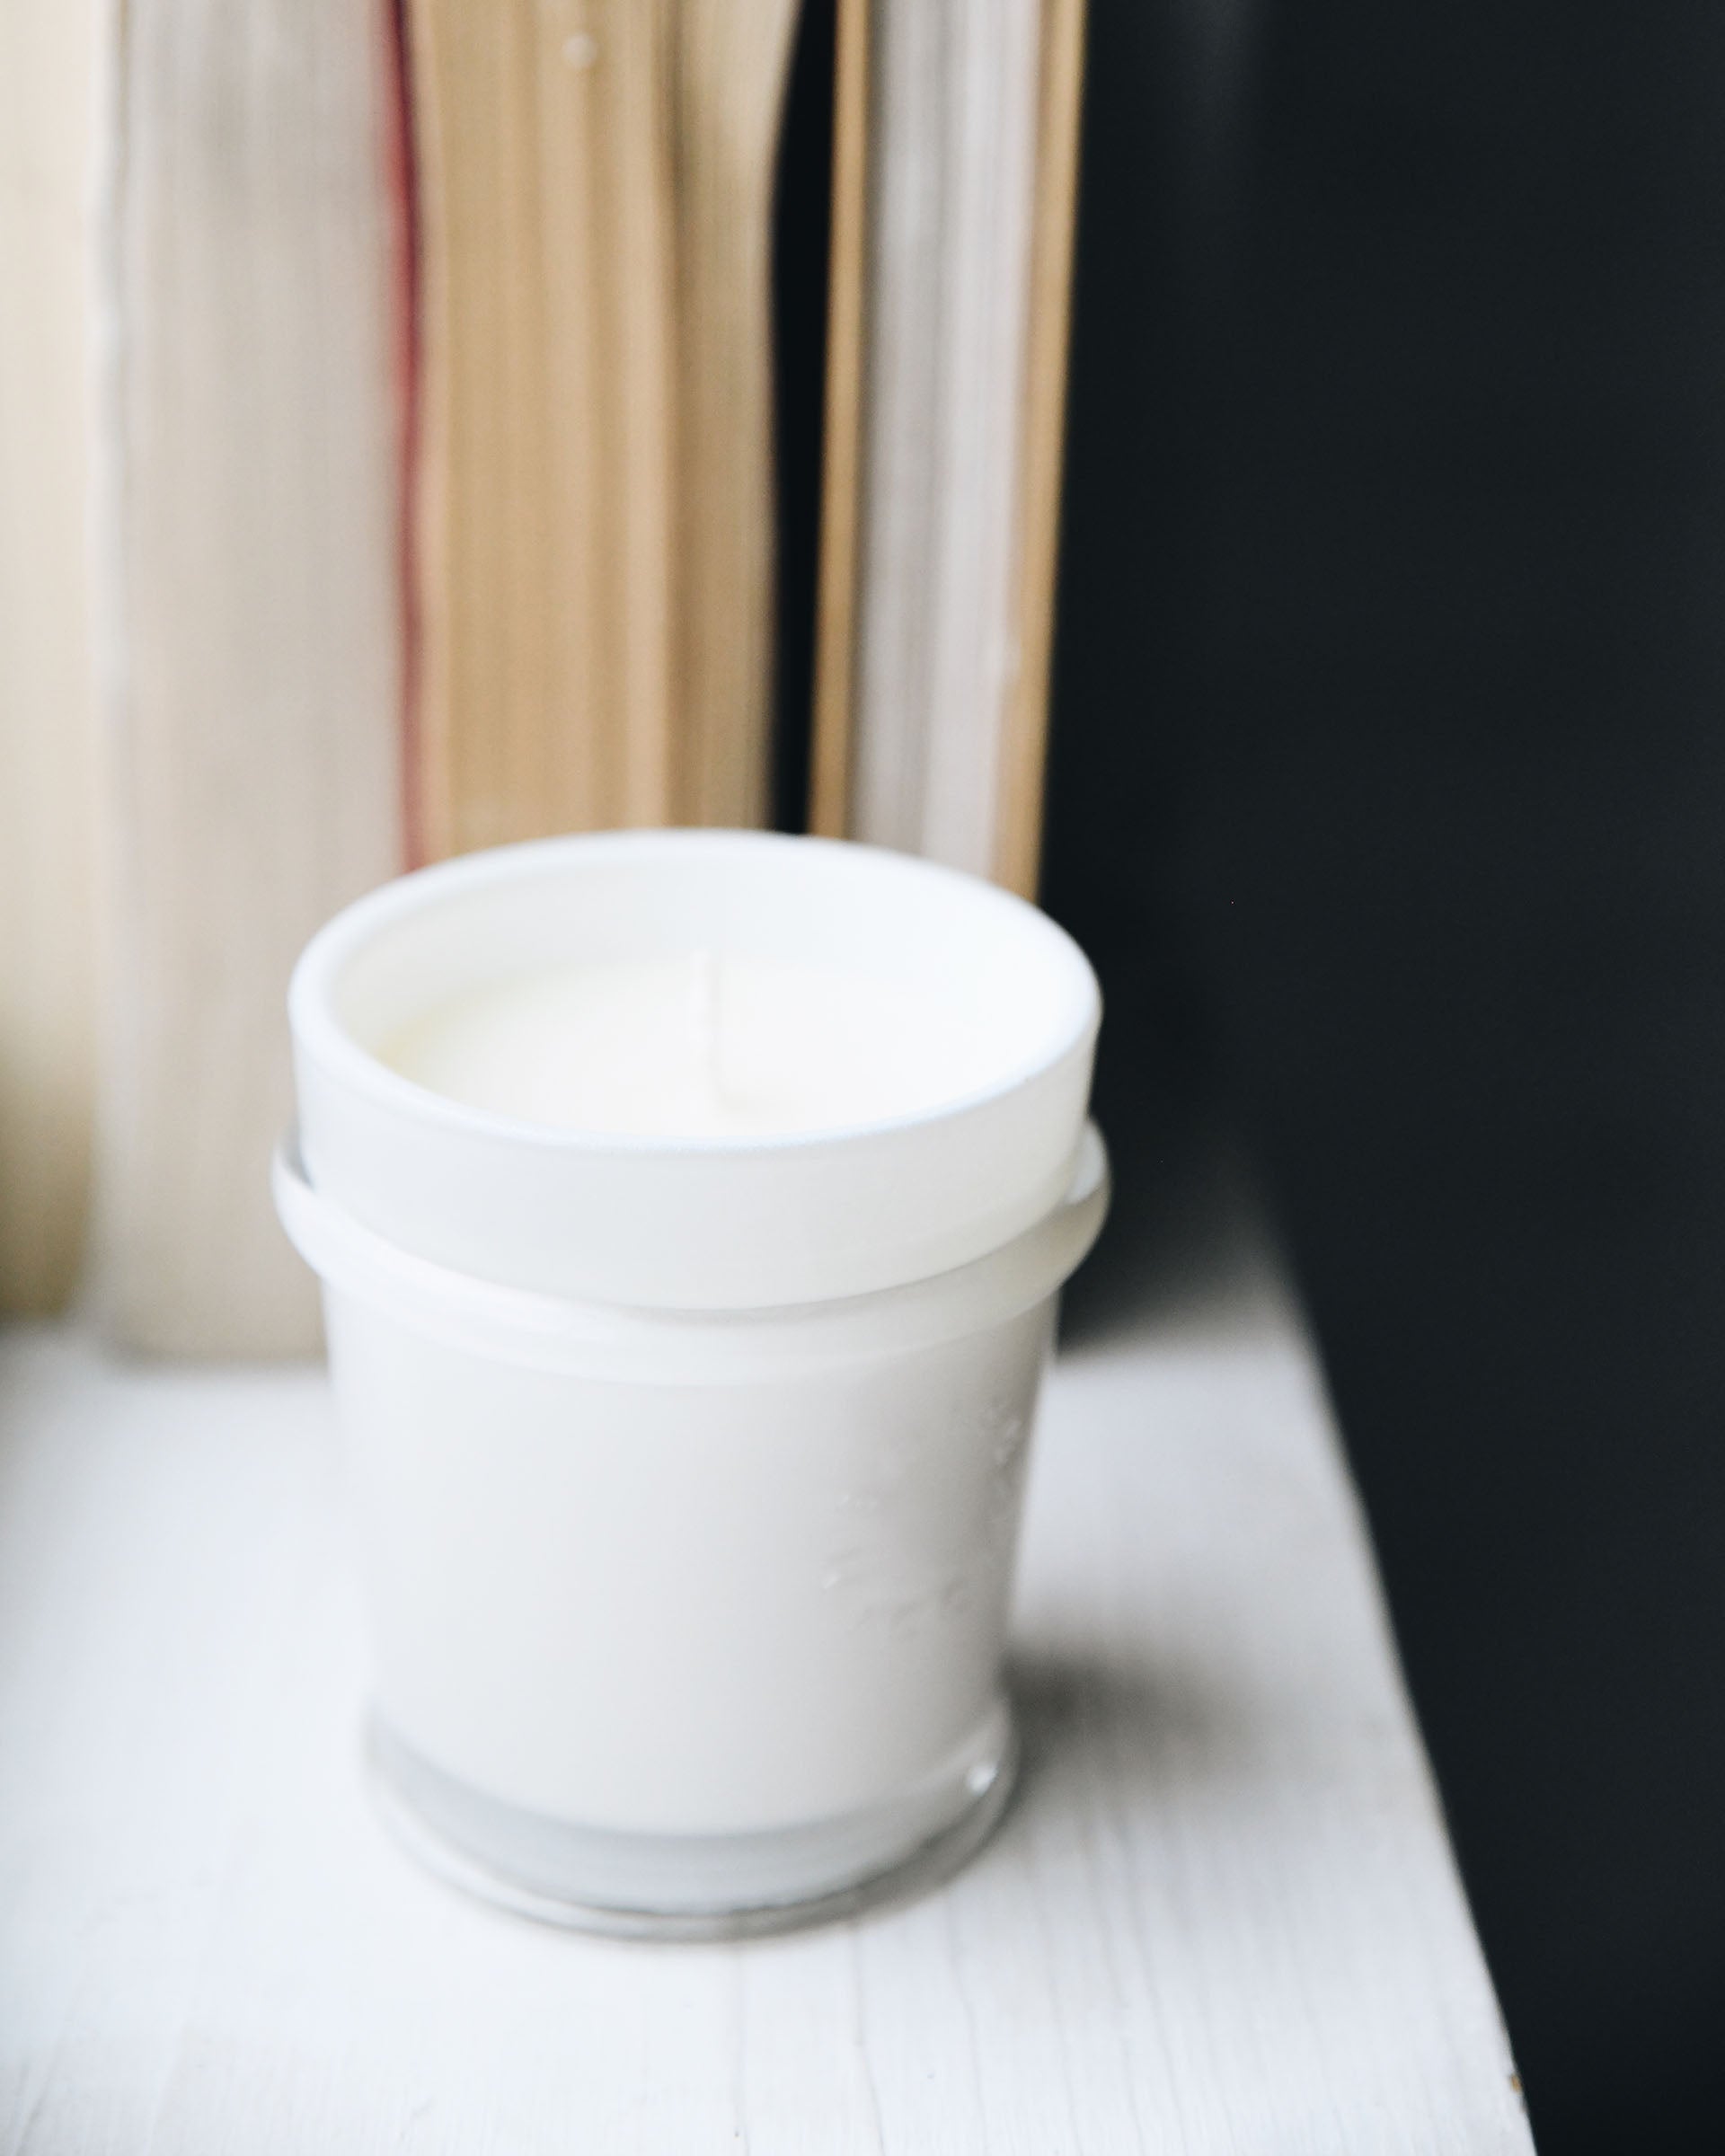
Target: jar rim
[593,1339]
[321,1038]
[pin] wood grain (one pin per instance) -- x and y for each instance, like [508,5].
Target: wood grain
[249,623]
[594,515]
[1220,1918]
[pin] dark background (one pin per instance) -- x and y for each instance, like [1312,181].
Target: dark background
[1388,790]
[1389,785]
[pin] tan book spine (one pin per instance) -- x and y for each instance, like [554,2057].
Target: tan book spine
[955,193]
[841,506]
[594,485]
[732,64]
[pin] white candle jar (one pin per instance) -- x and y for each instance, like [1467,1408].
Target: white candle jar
[689,1467]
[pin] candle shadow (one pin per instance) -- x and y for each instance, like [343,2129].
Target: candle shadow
[1135,1730]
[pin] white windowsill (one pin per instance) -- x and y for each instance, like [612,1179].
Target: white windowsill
[1221,1916]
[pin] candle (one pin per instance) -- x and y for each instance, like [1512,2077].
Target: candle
[690,1209]
[701,1044]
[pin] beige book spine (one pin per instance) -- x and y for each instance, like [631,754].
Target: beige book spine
[955,192]
[250,622]
[47,909]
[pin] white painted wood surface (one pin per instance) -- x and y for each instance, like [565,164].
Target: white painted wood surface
[1221,1917]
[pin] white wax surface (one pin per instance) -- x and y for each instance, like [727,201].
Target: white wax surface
[701,1045]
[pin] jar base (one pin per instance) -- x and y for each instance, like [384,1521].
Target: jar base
[695,1887]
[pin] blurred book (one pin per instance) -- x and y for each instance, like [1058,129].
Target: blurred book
[595,537]
[47,748]
[956,173]
[406,373]
[250,619]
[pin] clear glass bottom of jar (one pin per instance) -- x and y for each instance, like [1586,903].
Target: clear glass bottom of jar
[695,1887]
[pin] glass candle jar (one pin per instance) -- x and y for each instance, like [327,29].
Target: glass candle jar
[690,1428]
